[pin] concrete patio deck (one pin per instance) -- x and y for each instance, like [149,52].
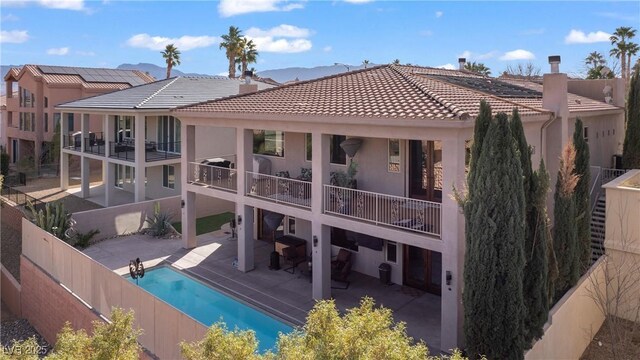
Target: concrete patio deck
[281,293]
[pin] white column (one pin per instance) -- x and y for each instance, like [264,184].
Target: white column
[321,234]
[244,162]
[64,170]
[85,168]
[244,221]
[188,150]
[453,240]
[84,130]
[140,161]
[107,133]
[108,182]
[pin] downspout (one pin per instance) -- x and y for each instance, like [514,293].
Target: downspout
[543,135]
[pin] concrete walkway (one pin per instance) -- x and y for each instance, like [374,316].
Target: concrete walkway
[281,293]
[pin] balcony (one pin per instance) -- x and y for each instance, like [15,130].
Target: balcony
[217,173]
[280,190]
[94,144]
[125,150]
[71,142]
[385,210]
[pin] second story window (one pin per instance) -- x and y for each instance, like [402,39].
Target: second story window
[71,125]
[27,121]
[27,98]
[46,122]
[46,102]
[268,142]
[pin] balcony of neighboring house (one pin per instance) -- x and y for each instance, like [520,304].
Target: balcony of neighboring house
[217,172]
[125,149]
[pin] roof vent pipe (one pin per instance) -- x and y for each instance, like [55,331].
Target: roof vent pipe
[461,62]
[248,74]
[554,61]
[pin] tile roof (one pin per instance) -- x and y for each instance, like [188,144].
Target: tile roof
[395,91]
[164,94]
[61,75]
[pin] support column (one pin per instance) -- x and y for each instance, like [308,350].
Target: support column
[108,182]
[84,130]
[64,170]
[108,128]
[188,150]
[321,234]
[244,213]
[453,240]
[85,174]
[244,221]
[140,160]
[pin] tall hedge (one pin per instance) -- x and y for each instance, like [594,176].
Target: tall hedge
[494,264]
[583,208]
[631,150]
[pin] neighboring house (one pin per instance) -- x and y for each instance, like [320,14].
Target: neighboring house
[30,116]
[409,129]
[133,135]
[3,116]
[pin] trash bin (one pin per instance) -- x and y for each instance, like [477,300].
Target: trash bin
[22,178]
[385,273]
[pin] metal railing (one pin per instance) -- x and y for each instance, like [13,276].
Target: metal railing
[381,209]
[20,198]
[161,151]
[218,177]
[610,174]
[71,142]
[94,144]
[278,189]
[122,150]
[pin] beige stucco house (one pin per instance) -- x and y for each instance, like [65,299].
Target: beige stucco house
[31,117]
[408,129]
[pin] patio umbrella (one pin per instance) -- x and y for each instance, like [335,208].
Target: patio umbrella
[272,220]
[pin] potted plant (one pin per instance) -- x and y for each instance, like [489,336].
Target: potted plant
[344,179]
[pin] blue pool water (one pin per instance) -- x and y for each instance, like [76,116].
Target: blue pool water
[208,306]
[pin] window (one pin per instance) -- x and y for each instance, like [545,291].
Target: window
[394,155]
[268,142]
[119,175]
[70,117]
[168,177]
[337,156]
[56,121]
[46,122]
[586,134]
[46,102]
[124,128]
[27,121]
[391,252]
[168,134]
[291,225]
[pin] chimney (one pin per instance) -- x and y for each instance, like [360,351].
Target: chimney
[461,62]
[248,87]
[554,61]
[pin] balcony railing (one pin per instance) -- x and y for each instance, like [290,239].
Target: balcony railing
[161,151]
[94,144]
[381,209]
[71,142]
[279,189]
[124,150]
[219,177]
[610,174]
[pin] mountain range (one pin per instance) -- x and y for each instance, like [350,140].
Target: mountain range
[279,75]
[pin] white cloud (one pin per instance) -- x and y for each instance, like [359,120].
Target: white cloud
[447,66]
[183,43]
[471,56]
[358,1]
[227,8]
[58,51]
[76,5]
[439,14]
[281,39]
[14,36]
[85,53]
[327,49]
[9,17]
[518,55]
[579,37]
[283,30]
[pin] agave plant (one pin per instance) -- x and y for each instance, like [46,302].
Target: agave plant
[55,219]
[160,222]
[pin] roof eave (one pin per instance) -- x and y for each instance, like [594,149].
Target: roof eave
[586,113]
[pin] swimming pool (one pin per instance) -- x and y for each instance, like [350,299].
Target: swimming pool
[208,306]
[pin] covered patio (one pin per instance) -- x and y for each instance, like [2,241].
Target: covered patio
[281,293]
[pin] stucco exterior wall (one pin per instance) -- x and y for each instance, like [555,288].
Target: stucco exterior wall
[605,137]
[10,289]
[155,189]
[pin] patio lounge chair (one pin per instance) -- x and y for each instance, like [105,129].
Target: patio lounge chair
[291,258]
[341,268]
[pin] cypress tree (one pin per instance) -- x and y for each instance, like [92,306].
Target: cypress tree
[480,130]
[631,150]
[565,241]
[583,208]
[493,297]
[535,272]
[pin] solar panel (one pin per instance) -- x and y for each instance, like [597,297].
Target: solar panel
[491,86]
[95,75]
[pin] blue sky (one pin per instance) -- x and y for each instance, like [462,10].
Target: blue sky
[310,33]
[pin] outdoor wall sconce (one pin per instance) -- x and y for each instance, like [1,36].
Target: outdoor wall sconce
[448,277]
[315,241]
[182,203]
[239,220]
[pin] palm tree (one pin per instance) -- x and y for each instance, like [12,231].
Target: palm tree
[619,41]
[365,62]
[594,59]
[632,50]
[396,62]
[171,54]
[231,43]
[478,68]
[248,54]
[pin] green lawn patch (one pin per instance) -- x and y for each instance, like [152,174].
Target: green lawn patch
[208,223]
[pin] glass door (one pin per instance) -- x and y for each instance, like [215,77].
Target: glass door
[422,269]
[425,170]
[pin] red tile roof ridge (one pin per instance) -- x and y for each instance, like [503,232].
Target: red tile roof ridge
[462,115]
[284,86]
[541,110]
